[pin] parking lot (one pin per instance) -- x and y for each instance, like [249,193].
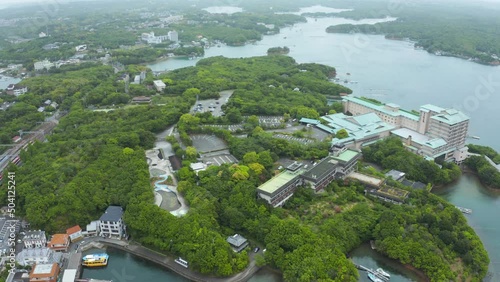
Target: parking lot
[212,105]
[270,121]
[208,143]
[232,127]
[219,159]
[292,138]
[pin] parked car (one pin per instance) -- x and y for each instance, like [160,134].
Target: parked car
[256,249]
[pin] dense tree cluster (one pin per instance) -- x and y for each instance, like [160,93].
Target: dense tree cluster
[391,154]
[488,174]
[234,29]
[428,233]
[485,150]
[264,85]
[278,50]
[432,235]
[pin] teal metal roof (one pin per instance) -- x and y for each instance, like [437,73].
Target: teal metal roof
[325,128]
[358,127]
[381,108]
[347,156]
[436,143]
[367,119]
[432,108]
[309,121]
[451,117]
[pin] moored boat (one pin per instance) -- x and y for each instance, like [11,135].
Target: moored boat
[383,273]
[95,260]
[374,278]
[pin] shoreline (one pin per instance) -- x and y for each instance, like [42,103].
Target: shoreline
[169,263]
[419,273]
[407,39]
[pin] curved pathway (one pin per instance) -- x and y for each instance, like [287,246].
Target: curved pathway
[169,262]
[164,165]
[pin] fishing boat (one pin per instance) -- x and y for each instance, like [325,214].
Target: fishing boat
[95,260]
[374,278]
[383,273]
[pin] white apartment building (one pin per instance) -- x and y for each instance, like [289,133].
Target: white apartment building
[159,85]
[173,36]
[45,64]
[111,224]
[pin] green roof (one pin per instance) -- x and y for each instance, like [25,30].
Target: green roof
[273,184]
[310,121]
[381,108]
[347,156]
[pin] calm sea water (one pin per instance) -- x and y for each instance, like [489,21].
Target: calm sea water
[124,267]
[5,81]
[390,71]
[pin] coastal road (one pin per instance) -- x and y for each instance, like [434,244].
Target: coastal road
[169,262]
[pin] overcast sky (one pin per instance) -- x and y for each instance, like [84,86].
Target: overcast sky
[2,2]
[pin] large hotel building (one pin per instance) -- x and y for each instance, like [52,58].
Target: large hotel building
[432,132]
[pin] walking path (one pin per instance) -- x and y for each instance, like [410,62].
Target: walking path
[163,164]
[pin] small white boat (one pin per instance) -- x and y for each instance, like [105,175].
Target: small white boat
[383,273]
[374,278]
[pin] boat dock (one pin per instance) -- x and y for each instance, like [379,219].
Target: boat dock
[464,210]
[369,270]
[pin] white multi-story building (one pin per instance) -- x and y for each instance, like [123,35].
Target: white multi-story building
[160,85]
[45,64]
[173,36]
[16,89]
[35,239]
[111,223]
[151,38]
[431,132]
[92,229]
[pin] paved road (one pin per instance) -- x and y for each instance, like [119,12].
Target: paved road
[169,263]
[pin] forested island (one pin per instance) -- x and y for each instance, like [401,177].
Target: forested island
[461,31]
[486,164]
[278,50]
[94,159]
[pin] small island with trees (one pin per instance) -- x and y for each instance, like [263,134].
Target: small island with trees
[278,50]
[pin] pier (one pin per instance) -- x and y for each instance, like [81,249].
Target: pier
[369,270]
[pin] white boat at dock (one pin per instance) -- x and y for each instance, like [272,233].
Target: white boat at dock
[464,210]
[382,272]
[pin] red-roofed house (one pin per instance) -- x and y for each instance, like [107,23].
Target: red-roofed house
[74,233]
[59,242]
[44,272]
